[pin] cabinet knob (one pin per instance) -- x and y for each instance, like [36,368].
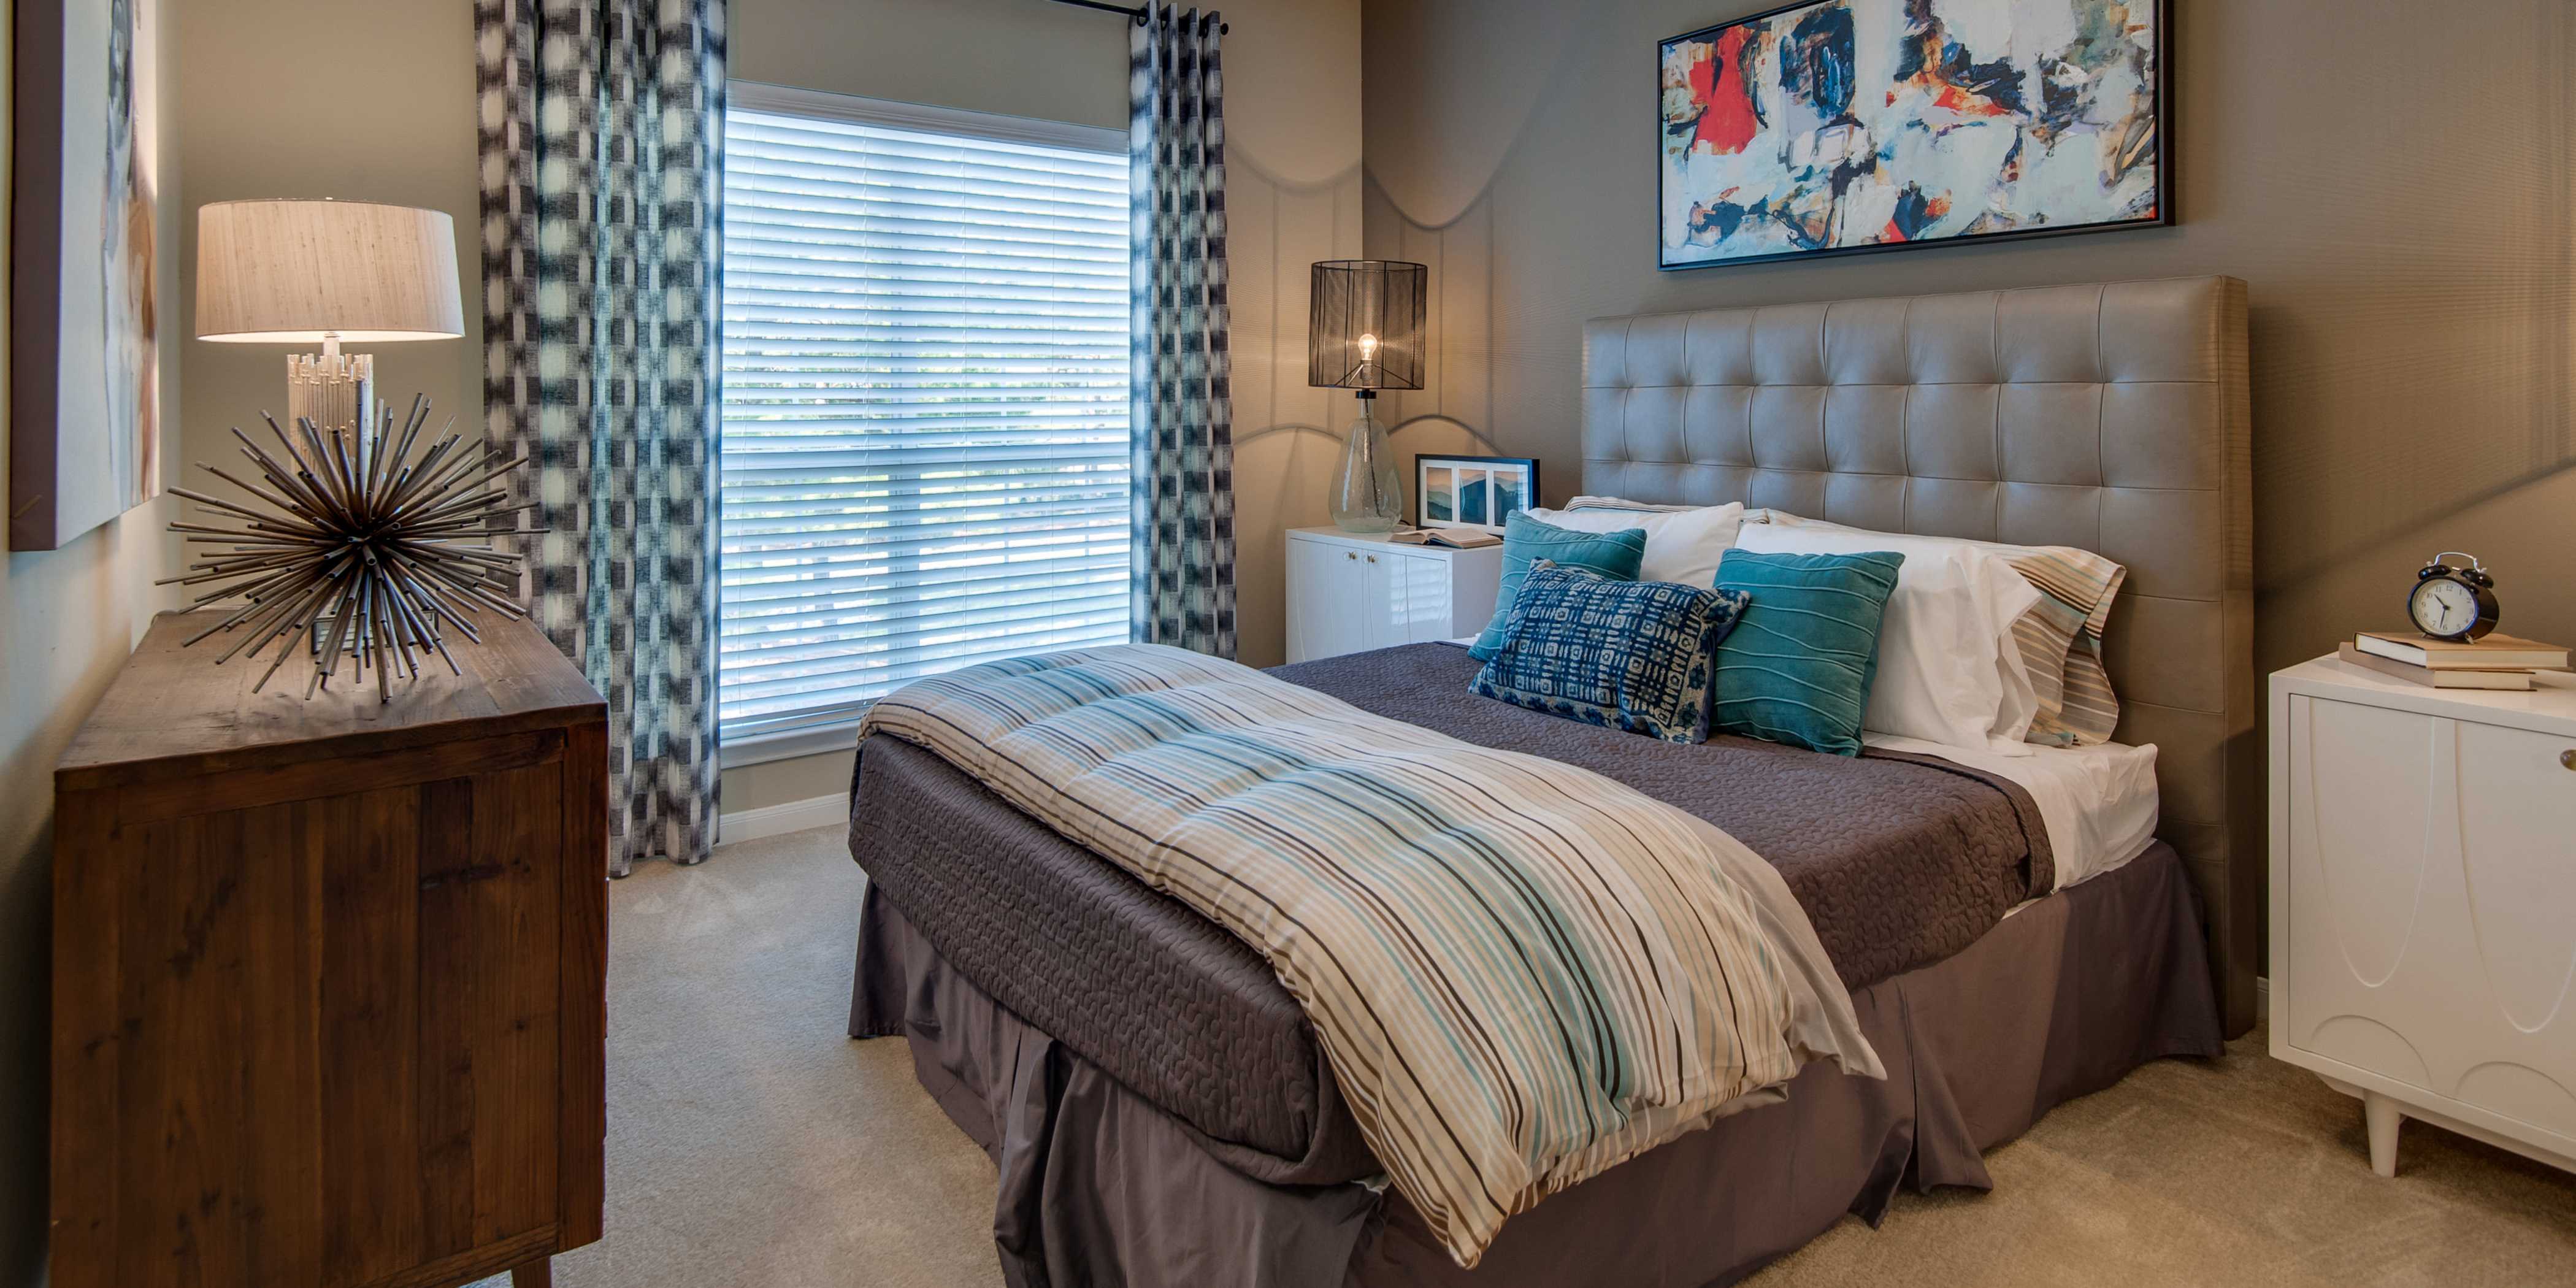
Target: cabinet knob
[1350,554]
[1372,558]
[2567,758]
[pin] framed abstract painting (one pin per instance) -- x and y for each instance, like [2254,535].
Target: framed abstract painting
[1849,125]
[84,429]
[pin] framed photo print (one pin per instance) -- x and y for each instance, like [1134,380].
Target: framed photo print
[1833,126]
[1473,491]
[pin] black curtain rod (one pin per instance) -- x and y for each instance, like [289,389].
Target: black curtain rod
[1138,13]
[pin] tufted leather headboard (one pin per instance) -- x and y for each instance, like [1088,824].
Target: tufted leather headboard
[2111,417]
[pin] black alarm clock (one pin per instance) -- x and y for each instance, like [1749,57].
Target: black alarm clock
[2450,602]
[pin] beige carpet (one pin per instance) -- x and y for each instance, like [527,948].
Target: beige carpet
[750,1143]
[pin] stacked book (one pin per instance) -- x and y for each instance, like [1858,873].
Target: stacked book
[2496,662]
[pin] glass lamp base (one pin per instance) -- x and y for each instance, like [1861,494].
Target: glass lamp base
[1367,495]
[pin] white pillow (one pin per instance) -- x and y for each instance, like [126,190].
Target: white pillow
[1682,545]
[1589,502]
[1949,670]
[2060,658]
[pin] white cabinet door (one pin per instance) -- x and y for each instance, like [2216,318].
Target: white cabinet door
[2364,805]
[1382,608]
[2432,917]
[1343,598]
[1407,598]
[1422,610]
[1326,589]
[2518,861]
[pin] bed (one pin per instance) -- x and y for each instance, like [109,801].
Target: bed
[1154,1099]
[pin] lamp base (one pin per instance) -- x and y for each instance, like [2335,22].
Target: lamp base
[1367,496]
[332,389]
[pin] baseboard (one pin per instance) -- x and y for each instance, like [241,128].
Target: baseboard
[779,820]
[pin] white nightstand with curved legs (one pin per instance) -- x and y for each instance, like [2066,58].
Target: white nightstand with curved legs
[2423,916]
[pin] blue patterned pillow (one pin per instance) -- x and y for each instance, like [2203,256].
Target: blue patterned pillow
[1616,555]
[1800,670]
[1631,655]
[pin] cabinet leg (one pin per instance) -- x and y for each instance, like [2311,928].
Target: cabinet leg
[539,1273]
[2381,1116]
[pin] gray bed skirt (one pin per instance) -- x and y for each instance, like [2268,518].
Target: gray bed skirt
[1100,1187]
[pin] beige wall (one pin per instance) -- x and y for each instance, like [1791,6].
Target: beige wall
[2395,187]
[1049,61]
[68,618]
[301,98]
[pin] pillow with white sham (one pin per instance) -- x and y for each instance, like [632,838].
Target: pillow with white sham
[1752,514]
[1948,669]
[1683,543]
[2060,637]
[1588,502]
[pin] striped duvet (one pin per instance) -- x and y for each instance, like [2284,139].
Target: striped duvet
[1522,972]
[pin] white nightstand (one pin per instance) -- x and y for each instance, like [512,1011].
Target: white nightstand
[2424,903]
[1349,591]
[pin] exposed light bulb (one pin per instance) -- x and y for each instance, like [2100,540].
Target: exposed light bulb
[1368,347]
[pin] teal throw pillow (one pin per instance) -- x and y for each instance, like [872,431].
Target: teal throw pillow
[1615,555]
[1798,667]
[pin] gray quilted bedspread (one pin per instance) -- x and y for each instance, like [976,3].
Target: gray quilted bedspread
[1899,861]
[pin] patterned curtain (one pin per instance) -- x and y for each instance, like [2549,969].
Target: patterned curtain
[602,132]
[1182,405]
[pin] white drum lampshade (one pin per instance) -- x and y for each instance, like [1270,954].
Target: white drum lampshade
[328,273]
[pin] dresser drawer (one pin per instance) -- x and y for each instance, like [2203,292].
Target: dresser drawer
[2431,908]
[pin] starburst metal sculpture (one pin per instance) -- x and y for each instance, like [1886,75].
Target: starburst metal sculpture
[369,552]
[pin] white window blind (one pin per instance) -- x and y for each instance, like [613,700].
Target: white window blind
[925,454]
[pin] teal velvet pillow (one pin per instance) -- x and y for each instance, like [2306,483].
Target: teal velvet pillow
[1615,555]
[1798,667]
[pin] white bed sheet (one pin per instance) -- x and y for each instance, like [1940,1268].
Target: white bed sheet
[2099,803]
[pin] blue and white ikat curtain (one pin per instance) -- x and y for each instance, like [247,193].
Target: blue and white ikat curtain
[1181,411]
[602,134]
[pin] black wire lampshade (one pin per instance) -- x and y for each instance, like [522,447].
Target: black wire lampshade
[1365,330]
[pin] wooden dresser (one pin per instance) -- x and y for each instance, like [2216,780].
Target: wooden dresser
[329,976]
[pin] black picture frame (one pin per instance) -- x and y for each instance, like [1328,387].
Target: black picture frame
[2165,216]
[1424,463]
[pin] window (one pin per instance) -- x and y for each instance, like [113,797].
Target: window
[925,454]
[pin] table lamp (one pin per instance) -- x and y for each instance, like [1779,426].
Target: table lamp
[1364,333]
[326,272]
